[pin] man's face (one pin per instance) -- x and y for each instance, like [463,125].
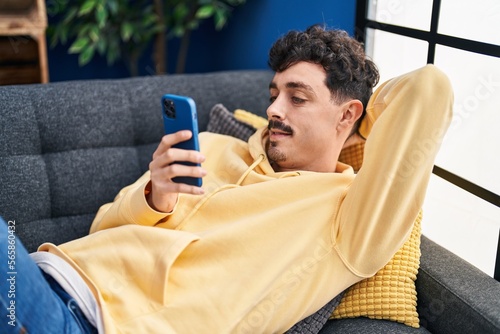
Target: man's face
[303,120]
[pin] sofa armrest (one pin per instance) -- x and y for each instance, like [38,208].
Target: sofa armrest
[453,295]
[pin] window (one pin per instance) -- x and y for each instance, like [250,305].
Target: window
[462,207]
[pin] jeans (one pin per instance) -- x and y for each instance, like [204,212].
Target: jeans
[31,301]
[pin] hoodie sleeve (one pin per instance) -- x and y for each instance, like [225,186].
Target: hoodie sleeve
[413,112]
[129,207]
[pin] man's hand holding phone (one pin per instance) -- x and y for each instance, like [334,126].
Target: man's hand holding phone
[163,168]
[176,166]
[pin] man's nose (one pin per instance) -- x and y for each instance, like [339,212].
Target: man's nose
[276,110]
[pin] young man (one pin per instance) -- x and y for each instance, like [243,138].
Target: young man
[280,227]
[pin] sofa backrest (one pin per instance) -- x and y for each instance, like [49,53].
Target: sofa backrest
[67,148]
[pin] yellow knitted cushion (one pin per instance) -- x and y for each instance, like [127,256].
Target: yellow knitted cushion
[391,293]
[250,118]
[353,155]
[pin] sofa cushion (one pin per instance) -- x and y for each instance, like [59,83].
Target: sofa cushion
[363,325]
[313,323]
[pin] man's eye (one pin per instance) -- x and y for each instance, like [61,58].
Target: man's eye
[272,99]
[298,100]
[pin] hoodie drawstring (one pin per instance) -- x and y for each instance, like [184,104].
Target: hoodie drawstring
[250,168]
[226,186]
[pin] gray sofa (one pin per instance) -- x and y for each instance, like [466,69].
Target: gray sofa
[67,148]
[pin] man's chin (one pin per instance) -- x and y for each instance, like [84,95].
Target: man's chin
[274,153]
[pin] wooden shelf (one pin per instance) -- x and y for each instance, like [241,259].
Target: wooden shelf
[23,48]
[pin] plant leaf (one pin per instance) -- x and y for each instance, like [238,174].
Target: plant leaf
[53,33]
[149,20]
[220,19]
[180,11]
[101,46]
[101,16]
[127,29]
[70,15]
[205,11]
[193,25]
[94,33]
[63,33]
[86,55]
[112,56]
[87,7]
[113,6]
[84,29]
[178,31]
[235,2]
[78,45]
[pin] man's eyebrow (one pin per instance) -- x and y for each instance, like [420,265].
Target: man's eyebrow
[293,84]
[299,84]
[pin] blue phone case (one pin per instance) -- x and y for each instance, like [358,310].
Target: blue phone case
[179,113]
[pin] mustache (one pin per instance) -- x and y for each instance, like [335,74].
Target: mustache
[274,124]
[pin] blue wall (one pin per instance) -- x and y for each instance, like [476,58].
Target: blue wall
[242,44]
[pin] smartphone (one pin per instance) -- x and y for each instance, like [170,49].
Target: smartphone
[179,113]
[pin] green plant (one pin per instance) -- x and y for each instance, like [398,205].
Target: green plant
[125,28]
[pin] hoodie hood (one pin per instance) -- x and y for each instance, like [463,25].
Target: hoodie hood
[256,147]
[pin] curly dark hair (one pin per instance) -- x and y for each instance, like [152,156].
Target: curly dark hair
[349,73]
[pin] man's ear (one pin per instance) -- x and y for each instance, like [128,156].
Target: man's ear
[352,111]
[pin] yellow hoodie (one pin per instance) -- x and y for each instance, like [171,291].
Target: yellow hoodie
[262,250]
